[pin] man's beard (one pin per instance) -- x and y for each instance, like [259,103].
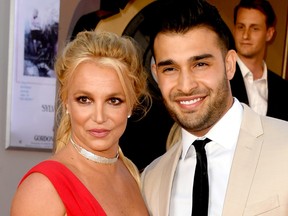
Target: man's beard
[194,122]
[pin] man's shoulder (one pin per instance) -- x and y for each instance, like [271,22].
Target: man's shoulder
[263,121]
[163,162]
[275,123]
[275,79]
[274,127]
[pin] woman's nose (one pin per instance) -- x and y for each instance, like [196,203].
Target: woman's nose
[99,113]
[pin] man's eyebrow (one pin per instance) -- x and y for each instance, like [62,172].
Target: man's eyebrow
[165,63]
[194,58]
[250,24]
[200,57]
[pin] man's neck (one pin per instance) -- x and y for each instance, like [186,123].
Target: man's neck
[255,65]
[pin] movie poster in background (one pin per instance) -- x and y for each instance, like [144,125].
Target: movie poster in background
[33,82]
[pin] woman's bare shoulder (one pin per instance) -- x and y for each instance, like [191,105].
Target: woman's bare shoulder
[36,196]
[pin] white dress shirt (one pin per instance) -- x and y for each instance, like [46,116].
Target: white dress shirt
[257,90]
[219,152]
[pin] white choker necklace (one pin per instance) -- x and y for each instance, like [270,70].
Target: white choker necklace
[94,157]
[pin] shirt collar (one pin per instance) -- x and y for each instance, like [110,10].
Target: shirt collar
[245,70]
[225,132]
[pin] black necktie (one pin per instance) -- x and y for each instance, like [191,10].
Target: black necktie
[201,184]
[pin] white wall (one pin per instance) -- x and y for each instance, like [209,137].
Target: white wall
[13,163]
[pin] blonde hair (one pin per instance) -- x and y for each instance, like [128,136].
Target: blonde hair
[174,136]
[105,48]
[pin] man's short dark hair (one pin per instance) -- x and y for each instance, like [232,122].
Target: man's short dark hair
[180,16]
[263,6]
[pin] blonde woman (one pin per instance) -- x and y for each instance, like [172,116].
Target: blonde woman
[101,82]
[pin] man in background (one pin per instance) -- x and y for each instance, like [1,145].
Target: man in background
[254,84]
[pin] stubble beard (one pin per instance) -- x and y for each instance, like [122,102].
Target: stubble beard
[246,52]
[206,117]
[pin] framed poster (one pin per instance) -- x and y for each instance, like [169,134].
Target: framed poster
[31,79]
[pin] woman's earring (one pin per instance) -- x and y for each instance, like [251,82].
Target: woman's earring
[67,112]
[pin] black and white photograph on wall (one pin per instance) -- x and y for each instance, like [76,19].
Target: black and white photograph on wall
[41,34]
[31,80]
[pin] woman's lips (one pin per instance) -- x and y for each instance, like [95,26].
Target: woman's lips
[99,132]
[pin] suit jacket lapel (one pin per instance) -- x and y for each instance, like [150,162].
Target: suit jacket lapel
[244,163]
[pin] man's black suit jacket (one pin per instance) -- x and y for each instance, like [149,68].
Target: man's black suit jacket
[277,93]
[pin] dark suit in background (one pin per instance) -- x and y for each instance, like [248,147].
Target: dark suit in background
[277,93]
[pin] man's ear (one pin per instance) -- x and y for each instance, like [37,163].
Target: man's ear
[230,61]
[154,72]
[270,33]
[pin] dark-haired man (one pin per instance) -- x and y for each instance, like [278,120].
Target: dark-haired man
[224,159]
